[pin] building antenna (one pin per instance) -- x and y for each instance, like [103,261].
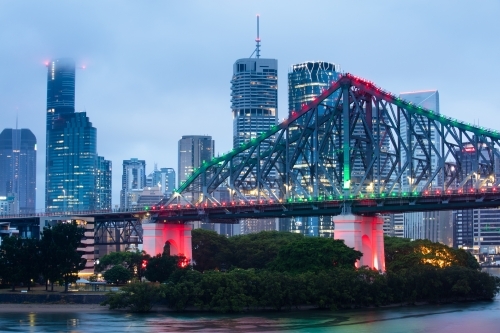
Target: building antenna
[257,39]
[257,47]
[17,117]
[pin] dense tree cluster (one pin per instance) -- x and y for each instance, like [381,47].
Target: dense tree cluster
[272,270]
[130,264]
[54,257]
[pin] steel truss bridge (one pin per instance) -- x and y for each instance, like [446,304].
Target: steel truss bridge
[355,148]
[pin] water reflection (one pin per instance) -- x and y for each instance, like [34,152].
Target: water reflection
[456,318]
[452,318]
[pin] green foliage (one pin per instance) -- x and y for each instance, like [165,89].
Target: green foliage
[276,271]
[259,249]
[310,254]
[160,267]
[210,250]
[137,297]
[20,260]
[130,260]
[117,274]
[401,253]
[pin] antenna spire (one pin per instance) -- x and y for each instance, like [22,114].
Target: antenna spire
[257,49]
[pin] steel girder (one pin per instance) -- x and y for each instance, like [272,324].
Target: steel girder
[366,141]
[115,230]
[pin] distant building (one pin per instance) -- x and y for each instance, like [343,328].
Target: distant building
[103,184]
[18,168]
[477,229]
[133,179]
[8,205]
[254,105]
[422,225]
[163,178]
[306,81]
[193,151]
[71,154]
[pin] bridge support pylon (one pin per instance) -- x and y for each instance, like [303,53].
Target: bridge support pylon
[156,235]
[364,234]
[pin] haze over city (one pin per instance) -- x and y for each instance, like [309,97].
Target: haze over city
[150,74]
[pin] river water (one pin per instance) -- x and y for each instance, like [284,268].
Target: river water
[475,317]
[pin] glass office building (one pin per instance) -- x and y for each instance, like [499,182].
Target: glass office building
[254,98]
[18,168]
[133,179]
[254,104]
[72,164]
[103,184]
[305,82]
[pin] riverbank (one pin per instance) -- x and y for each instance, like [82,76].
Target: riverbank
[52,308]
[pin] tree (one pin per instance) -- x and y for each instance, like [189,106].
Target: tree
[130,260]
[61,250]
[117,274]
[259,249]
[20,260]
[138,297]
[160,267]
[210,250]
[313,254]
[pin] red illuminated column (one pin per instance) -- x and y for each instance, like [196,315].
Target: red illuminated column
[155,235]
[365,234]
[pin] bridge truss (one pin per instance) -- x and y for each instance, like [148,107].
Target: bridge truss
[353,141]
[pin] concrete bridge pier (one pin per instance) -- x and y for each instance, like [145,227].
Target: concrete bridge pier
[364,234]
[156,235]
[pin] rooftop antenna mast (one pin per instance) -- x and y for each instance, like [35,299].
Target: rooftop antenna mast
[257,47]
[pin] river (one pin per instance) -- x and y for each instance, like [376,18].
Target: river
[477,317]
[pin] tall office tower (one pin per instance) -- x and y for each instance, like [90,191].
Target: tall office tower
[133,179]
[103,184]
[193,151]
[71,154]
[422,225]
[71,164]
[305,82]
[477,229]
[164,179]
[18,168]
[254,104]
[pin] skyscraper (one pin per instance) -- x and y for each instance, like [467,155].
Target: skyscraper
[422,225]
[305,82]
[18,168]
[193,151]
[71,155]
[133,179]
[164,179]
[103,184]
[254,104]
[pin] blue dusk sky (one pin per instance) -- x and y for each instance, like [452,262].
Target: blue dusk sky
[157,70]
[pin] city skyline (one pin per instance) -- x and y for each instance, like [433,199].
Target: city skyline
[146,100]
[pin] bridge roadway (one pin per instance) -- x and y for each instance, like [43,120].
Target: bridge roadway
[231,212]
